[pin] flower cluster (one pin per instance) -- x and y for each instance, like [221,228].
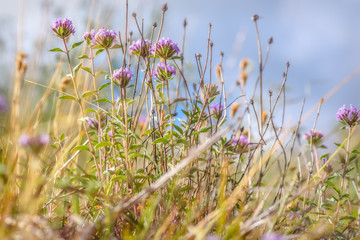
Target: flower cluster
[3,104]
[142,123]
[273,236]
[217,109]
[140,48]
[328,167]
[89,36]
[63,28]
[241,144]
[35,143]
[210,90]
[165,48]
[313,137]
[163,73]
[349,117]
[122,77]
[104,38]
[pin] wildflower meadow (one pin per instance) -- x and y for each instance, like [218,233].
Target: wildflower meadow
[129,148]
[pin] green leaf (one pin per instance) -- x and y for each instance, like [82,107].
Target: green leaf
[76,45]
[135,146]
[185,112]
[84,57]
[102,144]
[356,151]
[178,129]
[100,73]
[104,86]
[204,129]
[175,57]
[103,100]
[68,97]
[119,178]
[338,144]
[161,140]
[158,86]
[90,110]
[135,155]
[182,141]
[99,51]
[130,101]
[179,100]
[80,148]
[116,46]
[147,132]
[76,68]
[56,50]
[87,69]
[186,188]
[348,218]
[88,93]
[160,102]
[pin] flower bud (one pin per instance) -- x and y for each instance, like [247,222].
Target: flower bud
[163,73]
[165,48]
[35,143]
[122,77]
[140,48]
[104,39]
[63,28]
[348,117]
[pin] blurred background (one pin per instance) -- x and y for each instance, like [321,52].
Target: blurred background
[320,39]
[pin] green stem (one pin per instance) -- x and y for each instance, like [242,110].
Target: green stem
[81,108]
[343,176]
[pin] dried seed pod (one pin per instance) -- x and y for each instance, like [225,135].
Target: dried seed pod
[234,109]
[243,77]
[218,70]
[264,116]
[244,64]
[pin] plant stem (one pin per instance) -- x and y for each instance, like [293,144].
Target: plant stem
[98,104]
[343,176]
[81,107]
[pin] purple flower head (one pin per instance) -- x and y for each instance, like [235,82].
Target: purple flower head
[3,104]
[212,237]
[36,143]
[142,122]
[142,119]
[63,28]
[140,48]
[217,109]
[122,77]
[165,48]
[241,141]
[241,144]
[328,167]
[163,73]
[272,236]
[92,123]
[110,134]
[88,36]
[117,102]
[348,117]
[313,137]
[104,38]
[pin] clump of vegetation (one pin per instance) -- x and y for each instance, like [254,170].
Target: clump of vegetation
[133,152]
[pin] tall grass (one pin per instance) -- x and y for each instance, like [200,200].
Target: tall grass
[167,160]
